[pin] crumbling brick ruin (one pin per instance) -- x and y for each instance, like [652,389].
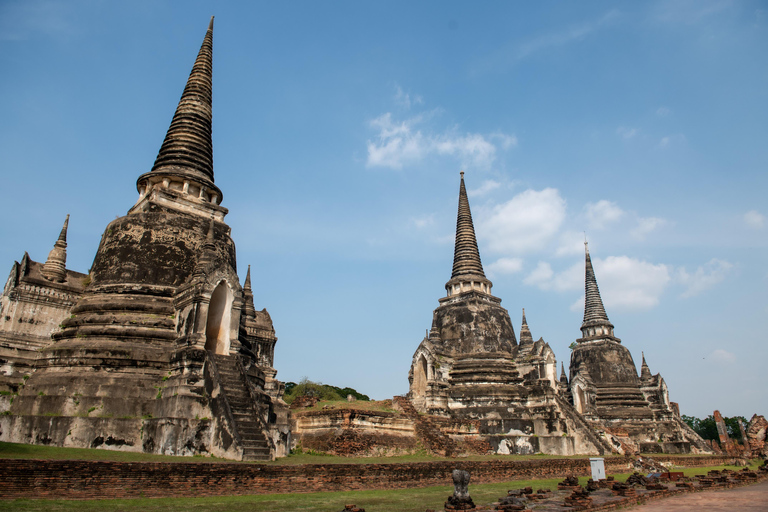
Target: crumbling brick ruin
[159,348]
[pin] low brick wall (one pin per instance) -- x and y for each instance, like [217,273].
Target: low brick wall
[51,479]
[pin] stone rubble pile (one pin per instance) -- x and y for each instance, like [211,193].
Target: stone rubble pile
[579,498]
[571,483]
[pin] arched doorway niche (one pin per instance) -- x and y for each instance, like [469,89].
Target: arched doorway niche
[219,315]
[420,377]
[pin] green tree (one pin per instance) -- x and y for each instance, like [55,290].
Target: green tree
[319,390]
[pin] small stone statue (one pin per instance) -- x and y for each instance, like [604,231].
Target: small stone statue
[460,499]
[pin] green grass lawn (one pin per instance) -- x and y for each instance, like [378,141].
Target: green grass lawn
[405,500]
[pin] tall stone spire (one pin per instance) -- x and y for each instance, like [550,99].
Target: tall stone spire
[247,284]
[596,321]
[563,376]
[186,155]
[467,268]
[525,332]
[54,269]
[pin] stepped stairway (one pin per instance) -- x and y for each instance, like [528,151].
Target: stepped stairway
[233,384]
[433,438]
[602,445]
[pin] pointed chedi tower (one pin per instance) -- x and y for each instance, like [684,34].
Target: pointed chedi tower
[604,380]
[152,350]
[605,387]
[466,368]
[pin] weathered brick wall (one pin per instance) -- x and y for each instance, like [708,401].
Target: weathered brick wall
[84,479]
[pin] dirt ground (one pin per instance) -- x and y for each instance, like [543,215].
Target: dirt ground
[749,498]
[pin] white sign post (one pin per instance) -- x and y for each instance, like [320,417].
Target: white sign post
[598,468]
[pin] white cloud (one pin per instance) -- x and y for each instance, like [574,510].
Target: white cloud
[524,223]
[754,219]
[505,266]
[555,39]
[630,284]
[626,133]
[423,221]
[402,143]
[506,141]
[662,111]
[404,100]
[602,213]
[721,356]
[571,242]
[664,142]
[545,278]
[704,277]
[646,225]
[484,188]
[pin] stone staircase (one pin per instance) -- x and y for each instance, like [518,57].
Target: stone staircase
[433,438]
[603,447]
[233,384]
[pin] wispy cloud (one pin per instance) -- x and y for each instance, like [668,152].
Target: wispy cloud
[505,266]
[409,141]
[704,278]
[570,243]
[544,278]
[424,221]
[602,213]
[646,225]
[625,132]
[405,100]
[484,188]
[662,111]
[754,219]
[720,356]
[563,37]
[523,224]
[689,11]
[627,283]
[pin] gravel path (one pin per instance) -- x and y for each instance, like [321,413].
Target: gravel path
[751,498]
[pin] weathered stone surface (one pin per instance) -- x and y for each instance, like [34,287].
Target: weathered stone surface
[470,368]
[634,413]
[159,349]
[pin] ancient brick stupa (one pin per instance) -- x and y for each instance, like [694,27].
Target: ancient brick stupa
[605,388]
[159,349]
[470,370]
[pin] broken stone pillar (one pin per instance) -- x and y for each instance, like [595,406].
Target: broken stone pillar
[722,431]
[460,499]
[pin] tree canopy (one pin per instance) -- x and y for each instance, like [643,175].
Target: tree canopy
[319,390]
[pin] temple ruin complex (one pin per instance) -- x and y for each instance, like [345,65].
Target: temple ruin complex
[160,349]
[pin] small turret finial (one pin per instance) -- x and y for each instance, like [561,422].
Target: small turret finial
[247,285]
[63,234]
[54,268]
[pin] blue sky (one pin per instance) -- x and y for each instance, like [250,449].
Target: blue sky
[340,129]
